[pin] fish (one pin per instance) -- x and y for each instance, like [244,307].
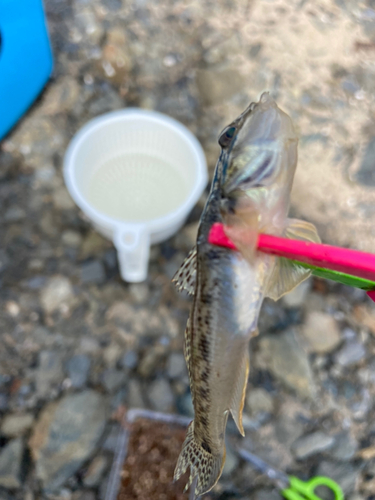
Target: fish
[250,193]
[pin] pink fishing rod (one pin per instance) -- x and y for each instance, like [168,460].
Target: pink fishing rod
[342,260]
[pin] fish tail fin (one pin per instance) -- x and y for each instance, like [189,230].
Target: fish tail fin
[203,464]
[239,391]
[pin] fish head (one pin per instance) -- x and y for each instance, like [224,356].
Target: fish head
[260,149]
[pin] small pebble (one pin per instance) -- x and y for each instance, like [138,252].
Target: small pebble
[307,446]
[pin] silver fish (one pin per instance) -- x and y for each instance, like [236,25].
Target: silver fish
[250,193]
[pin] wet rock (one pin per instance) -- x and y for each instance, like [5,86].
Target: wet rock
[93,272]
[16,425]
[14,214]
[185,405]
[84,495]
[258,400]
[297,297]
[151,360]
[65,435]
[346,475]
[366,173]
[161,396]
[344,449]
[284,357]
[267,495]
[176,365]
[350,354]
[307,446]
[93,244]
[320,332]
[139,292]
[113,379]
[135,396]
[49,372]
[56,294]
[231,462]
[71,238]
[95,471]
[10,464]
[4,399]
[129,360]
[62,199]
[111,439]
[218,84]
[78,369]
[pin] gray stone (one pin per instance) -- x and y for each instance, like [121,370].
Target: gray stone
[231,462]
[135,396]
[267,495]
[14,214]
[65,436]
[258,400]
[284,357]
[346,475]
[344,449]
[93,244]
[10,464]
[95,471]
[84,495]
[111,440]
[298,295]
[307,446]
[71,238]
[16,425]
[185,405]
[78,369]
[129,360]
[139,292]
[161,396]
[350,354]
[57,293]
[113,379]
[62,199]
[366,173]
[320,331]
[49,372]
[176,366]
[4,400]
[93,272]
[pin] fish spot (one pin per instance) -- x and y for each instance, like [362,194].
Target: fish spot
[206,447]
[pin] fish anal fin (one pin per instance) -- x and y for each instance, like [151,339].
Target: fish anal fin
[239,393]
[184,279]
[203,464]
[286,274]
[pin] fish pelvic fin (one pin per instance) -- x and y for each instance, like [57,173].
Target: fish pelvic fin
[203,464]
[286,274]
[239,393]
[184,279]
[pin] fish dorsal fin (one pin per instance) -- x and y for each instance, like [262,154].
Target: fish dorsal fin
[239,391]
[286,274]
[184,279]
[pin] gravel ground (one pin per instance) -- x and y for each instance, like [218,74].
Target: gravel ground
[79,345]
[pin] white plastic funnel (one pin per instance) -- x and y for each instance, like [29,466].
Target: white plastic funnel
[136,174]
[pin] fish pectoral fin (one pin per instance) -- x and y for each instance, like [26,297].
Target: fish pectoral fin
[203,464]
[286,274]
[239,392]
[184,279]
[242,229]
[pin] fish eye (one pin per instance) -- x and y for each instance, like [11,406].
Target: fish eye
[226,136]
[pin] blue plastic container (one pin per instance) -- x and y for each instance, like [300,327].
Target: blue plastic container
[25,58]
